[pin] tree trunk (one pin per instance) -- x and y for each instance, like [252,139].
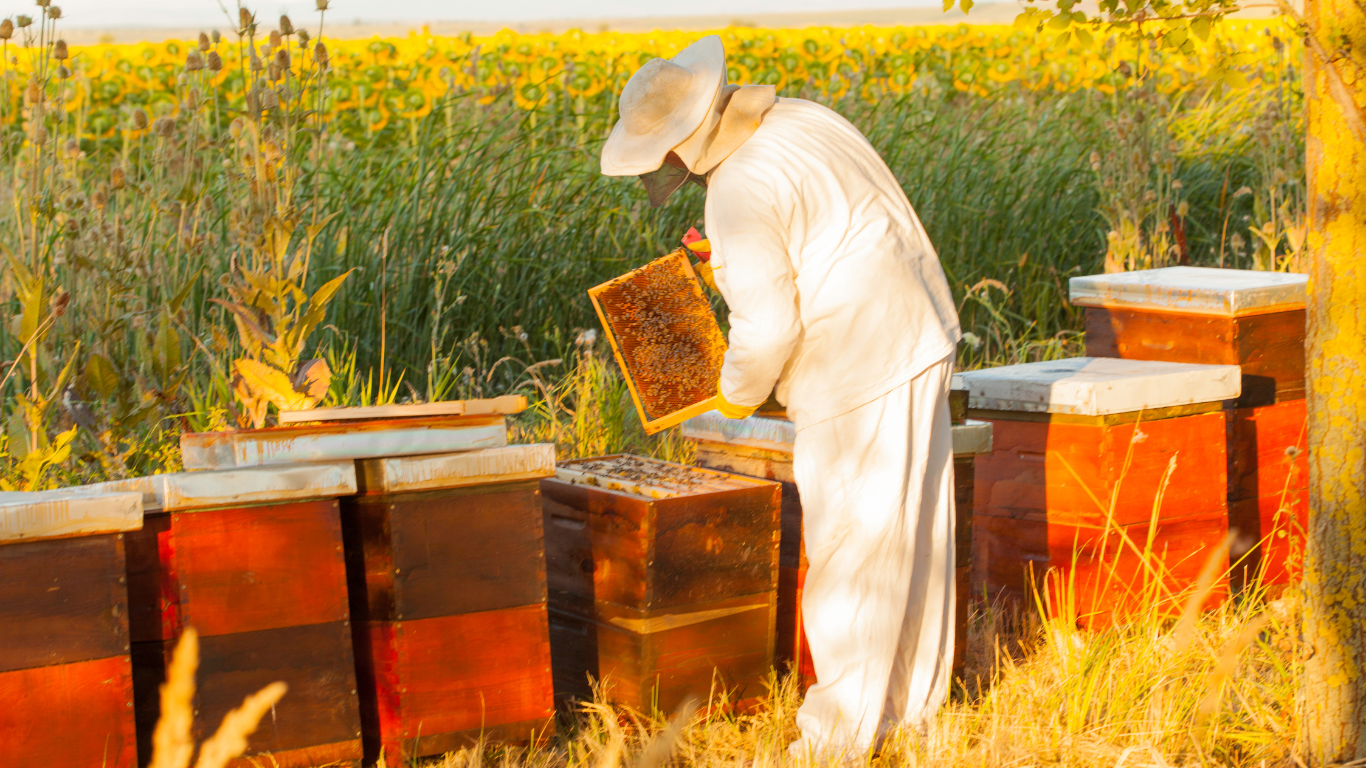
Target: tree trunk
[1335,561]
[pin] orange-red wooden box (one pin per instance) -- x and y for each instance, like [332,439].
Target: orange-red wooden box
[1255,320]
[663,580]
[65,673]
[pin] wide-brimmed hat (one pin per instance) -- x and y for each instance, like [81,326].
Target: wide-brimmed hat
[663,104]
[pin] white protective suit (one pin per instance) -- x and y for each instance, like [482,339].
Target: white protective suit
[837,296]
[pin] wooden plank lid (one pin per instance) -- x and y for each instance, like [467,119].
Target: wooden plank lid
[507,404]
[1098,386]
[454,470]
[34,516]
[770,434]
[341,440]
[1202,290]
[184,491]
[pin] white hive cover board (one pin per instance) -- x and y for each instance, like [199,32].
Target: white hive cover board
[1204,290]
[56,514]
[454,470]
[770,434]
[225,450]
[181,491]
[1098,386]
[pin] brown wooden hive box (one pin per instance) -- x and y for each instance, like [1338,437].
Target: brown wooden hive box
[252,559]
[761,446]
[663,580]
[65,672]
[446,564]
[1255,320]
[1081,448]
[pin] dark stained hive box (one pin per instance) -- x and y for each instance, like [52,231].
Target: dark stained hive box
[1080,450]
[761,446]
[663,580]
[252,559]
[65,675]
[446,562]
[1255,320]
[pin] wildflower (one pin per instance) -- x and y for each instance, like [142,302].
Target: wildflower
[6,29]
[203,42]
[1176,184]
[1183,209]
[59,51]
[286,26]
[586,338]
[972,340]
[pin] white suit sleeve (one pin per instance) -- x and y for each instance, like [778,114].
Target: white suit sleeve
[752,269]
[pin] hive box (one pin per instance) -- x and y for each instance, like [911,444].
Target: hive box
[1251,319]
[446,565]
[761,446]
[252,559]
[65,674]
[663,580]
[1094,462]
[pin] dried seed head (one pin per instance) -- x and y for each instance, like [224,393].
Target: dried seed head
[282,59]
[62,298]
[1183,209]
[322,5]
[6,29]
[204,42]
[254,100]
[59,51]
[273,71]
[235,127]
[303,38]
[54,12]
[62,72]
[164,127]
[194,62]
[192,99]
[100,197]
[73,148]
[286,26]
[320,55]
[269,100]
[215,36]
[274,39]
[245,20]
[214,61]
[43,3]
[117,178]
[22,21]
[32,94]
[39,135]
[181,79]
[255,62]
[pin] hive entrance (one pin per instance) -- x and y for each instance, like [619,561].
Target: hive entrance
[665,338]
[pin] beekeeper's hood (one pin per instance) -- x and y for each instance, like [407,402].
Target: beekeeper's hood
[682,105]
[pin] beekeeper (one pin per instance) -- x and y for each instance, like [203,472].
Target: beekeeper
[837,297]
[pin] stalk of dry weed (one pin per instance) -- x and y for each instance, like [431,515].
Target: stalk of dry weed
[231,738]
[172,742]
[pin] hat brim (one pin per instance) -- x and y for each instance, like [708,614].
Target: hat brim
[627,154]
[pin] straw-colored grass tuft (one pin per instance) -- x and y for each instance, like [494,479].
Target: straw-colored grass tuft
[231,738]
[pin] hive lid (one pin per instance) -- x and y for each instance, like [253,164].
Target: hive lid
[770,434]
[454,470]
[507,404]
[1098,386]
[183,491]
[336,441]
[59,514]
[1203,290]
[651,478]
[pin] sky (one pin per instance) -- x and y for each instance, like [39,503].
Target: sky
[207,13]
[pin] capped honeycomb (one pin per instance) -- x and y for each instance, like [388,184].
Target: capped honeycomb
[665,337]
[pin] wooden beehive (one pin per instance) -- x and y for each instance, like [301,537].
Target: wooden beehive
[665,338]
[1255,320]
[65,674]
[1081,450]
[252,559]
[662,580]
[446,564]
[761,446]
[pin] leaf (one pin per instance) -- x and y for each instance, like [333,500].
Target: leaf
[166,349]
[1084,36]
[948,5]
[253,336]
[184,292]
[1235,79]
[966,4]
[1061,21]
[341,236]
[1201,27]
[101,376]
[17,432]
[317,310]
[312,230]
[312,379]
[271,383]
